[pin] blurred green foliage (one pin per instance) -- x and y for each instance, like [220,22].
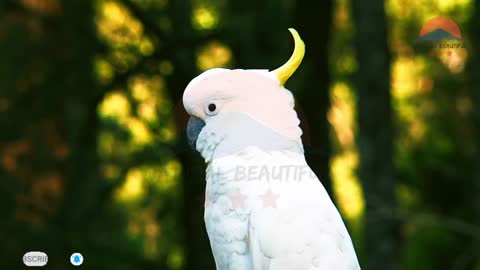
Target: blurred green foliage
[93,157]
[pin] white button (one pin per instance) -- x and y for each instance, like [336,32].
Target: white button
[76,259]
[35,258]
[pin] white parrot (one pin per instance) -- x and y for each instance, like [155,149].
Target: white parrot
[265,209]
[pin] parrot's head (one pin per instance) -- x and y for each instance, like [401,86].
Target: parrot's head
[233,109]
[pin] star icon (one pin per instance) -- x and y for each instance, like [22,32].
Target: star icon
[431,53]
[269,199]
[440,54]
[237,199]
[449,53]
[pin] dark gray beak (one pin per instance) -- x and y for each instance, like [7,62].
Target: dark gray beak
[194,127]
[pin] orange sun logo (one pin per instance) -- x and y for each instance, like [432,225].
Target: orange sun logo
[440,28]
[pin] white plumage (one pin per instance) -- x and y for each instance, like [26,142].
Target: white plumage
[265,209]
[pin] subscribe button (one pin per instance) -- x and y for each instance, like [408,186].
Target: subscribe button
[35,258]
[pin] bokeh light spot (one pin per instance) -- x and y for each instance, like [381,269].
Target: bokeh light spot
[205,18]
[215,54]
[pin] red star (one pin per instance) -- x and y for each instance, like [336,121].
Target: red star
[431,53]
[449,53]
[269,199]
[238,199]
[439,54]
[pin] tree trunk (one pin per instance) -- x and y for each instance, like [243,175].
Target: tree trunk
[375,134]
[475,80]
[474,69]
[198,253]
[313,20]
[79,124]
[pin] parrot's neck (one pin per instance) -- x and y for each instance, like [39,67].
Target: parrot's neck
[234,132]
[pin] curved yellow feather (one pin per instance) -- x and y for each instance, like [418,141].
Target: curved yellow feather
[284,72]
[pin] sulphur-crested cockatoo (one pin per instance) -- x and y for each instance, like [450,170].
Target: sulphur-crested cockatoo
[265,209]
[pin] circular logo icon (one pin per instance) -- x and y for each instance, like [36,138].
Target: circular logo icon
[76,259]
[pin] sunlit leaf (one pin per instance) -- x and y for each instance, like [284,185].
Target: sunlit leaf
[116,105]
[405,76]
[117,26]
[103,70]
[346,185]
[146,46]
[141,134]
[341,115]
[214,54]
[176,258]
[133,188]
[205,18]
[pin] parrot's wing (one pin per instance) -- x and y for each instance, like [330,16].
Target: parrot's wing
[304,231]
[226,224]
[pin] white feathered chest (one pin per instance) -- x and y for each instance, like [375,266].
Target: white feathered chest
[268,211]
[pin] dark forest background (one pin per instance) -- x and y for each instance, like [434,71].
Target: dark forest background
[93,156]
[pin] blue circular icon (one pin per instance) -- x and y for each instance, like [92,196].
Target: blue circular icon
[76,259]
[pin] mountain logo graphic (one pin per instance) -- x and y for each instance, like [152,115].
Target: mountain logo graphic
[442,37]
[438,29]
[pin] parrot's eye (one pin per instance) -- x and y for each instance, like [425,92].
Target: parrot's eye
[211,108]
